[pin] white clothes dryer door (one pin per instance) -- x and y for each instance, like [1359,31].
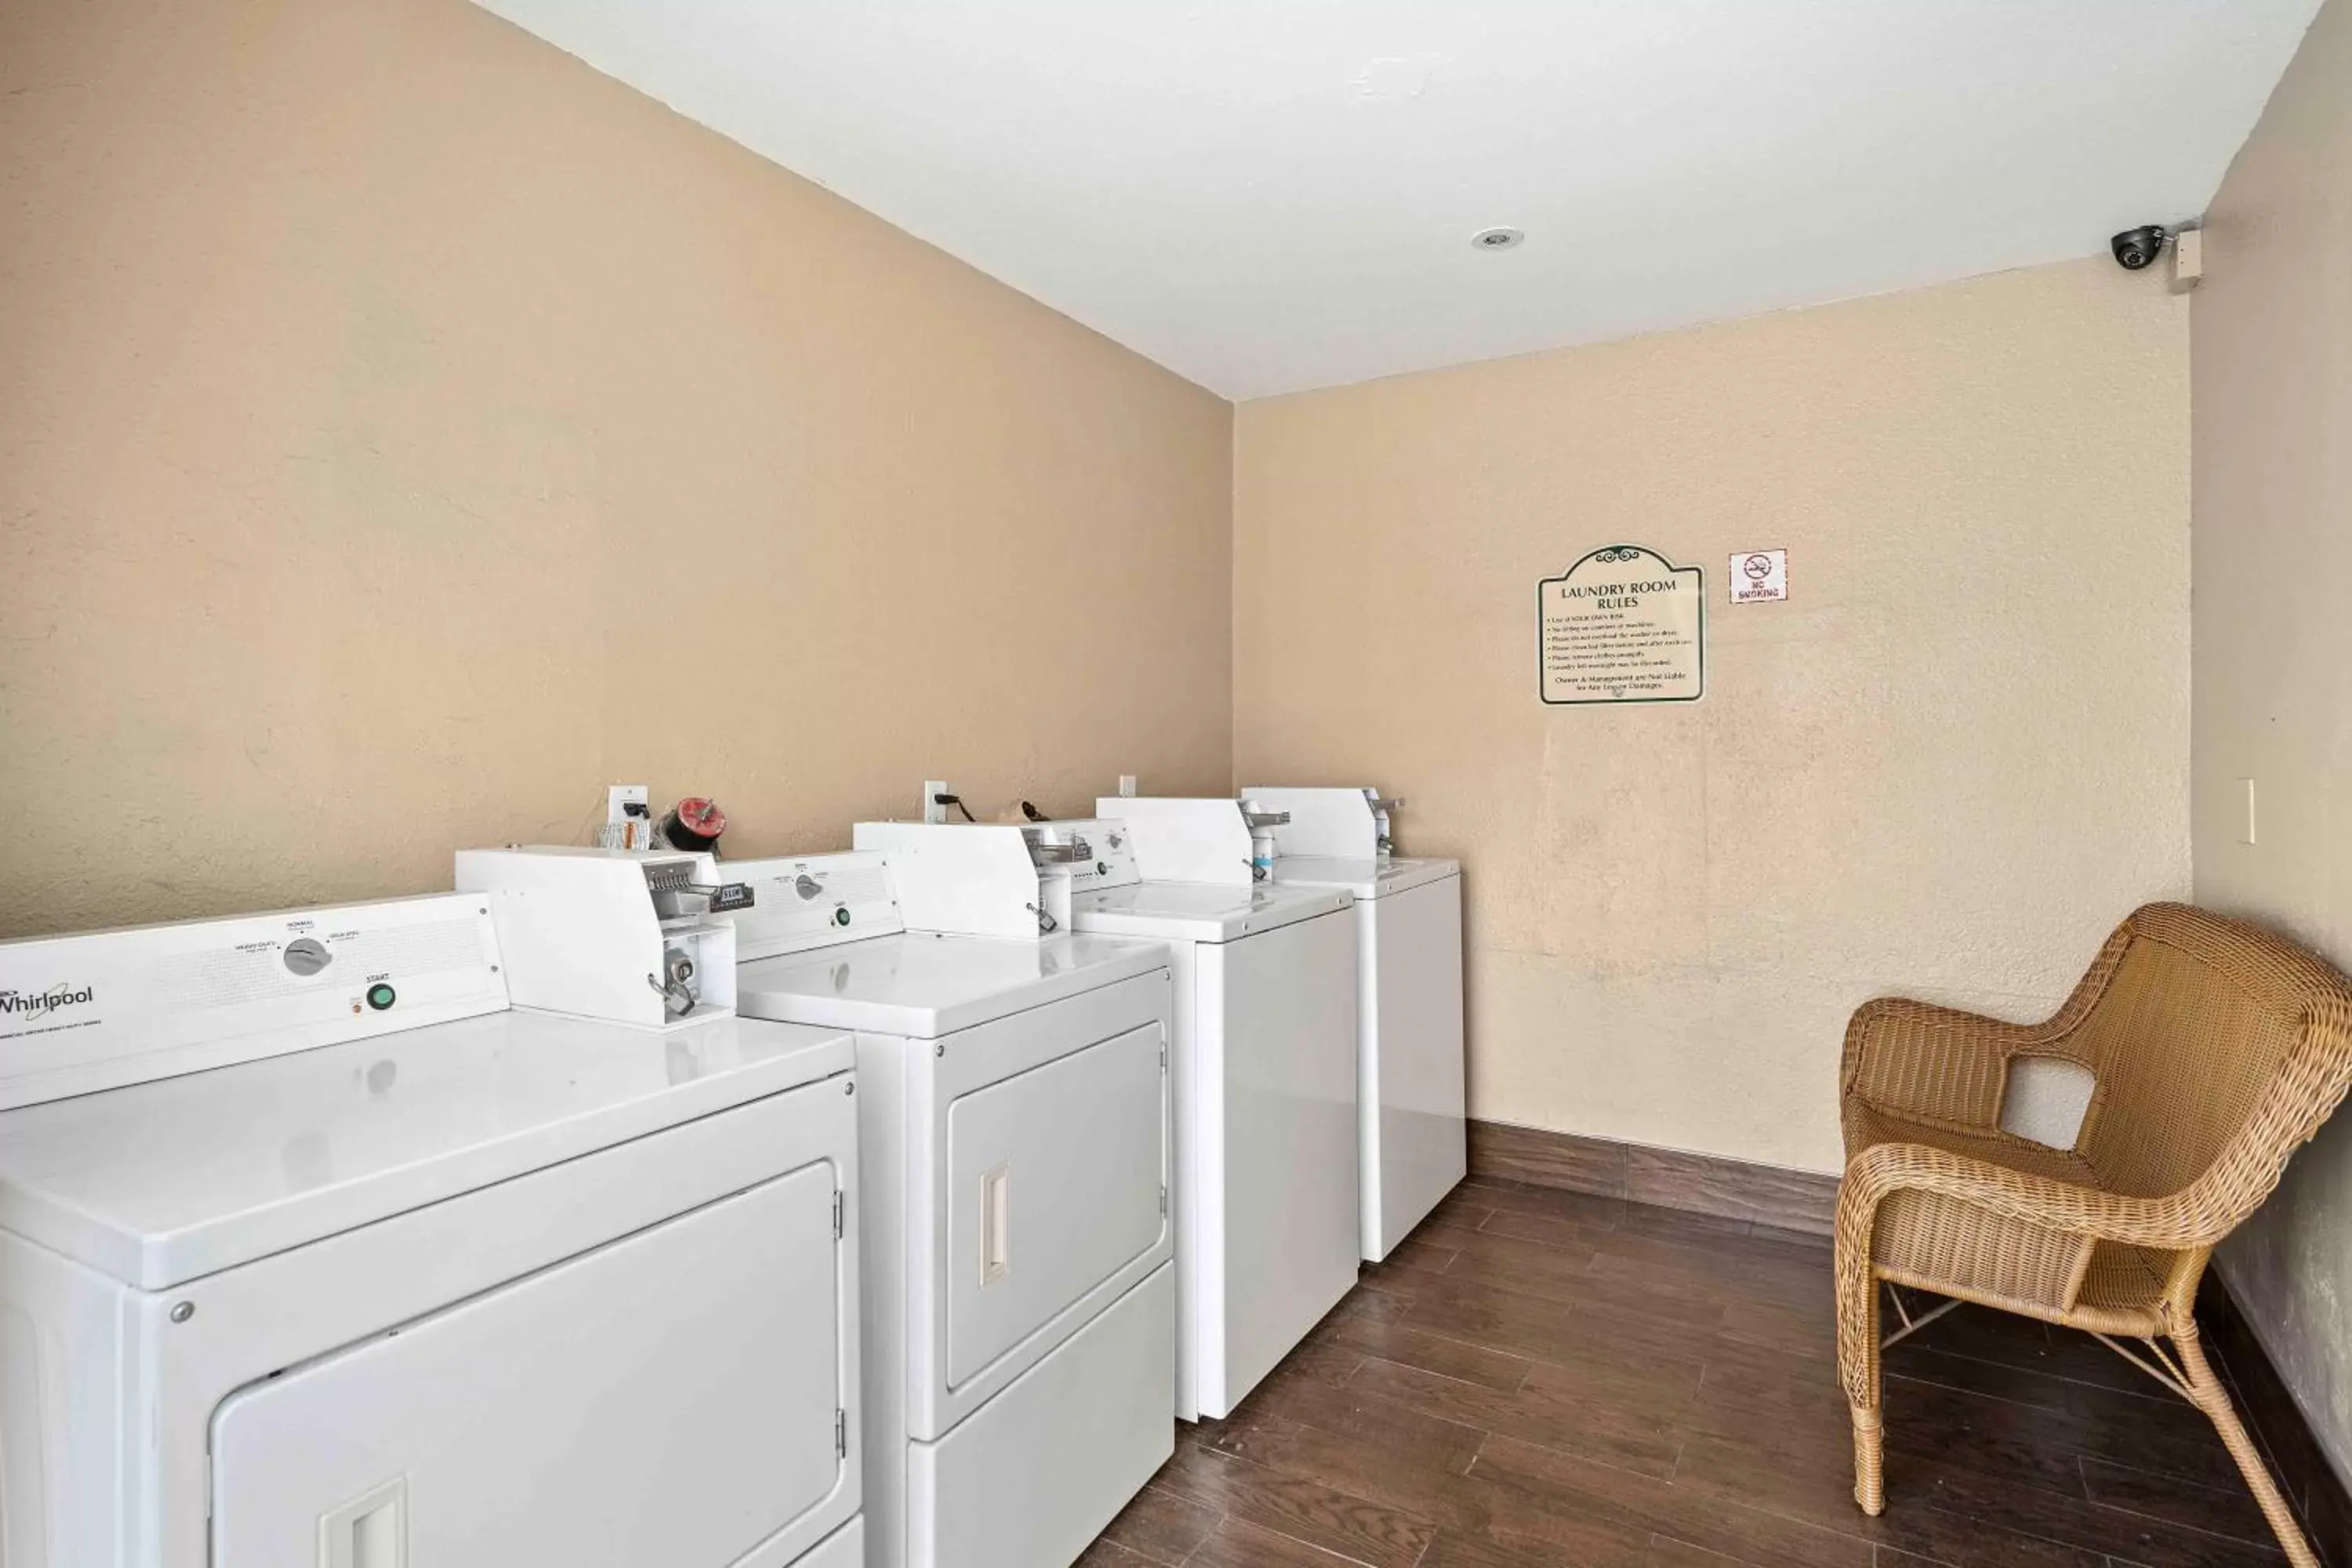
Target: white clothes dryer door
[700,1447]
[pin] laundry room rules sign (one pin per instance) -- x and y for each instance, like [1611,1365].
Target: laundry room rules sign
[1624,624]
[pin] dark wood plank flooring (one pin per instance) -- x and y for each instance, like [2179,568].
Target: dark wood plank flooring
[1541,1377]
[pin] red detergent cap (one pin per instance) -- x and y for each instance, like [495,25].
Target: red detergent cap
[700,816]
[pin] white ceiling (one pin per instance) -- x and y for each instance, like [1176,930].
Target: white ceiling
[1267,195]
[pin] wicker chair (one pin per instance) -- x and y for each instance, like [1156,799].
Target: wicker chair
[2217,1051]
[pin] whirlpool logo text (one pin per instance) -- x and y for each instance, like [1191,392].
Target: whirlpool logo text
[33,1004]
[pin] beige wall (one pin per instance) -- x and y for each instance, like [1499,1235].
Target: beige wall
[405,430]
[1947,765]
[2274,667]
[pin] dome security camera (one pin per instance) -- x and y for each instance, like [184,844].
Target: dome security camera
[2135,248]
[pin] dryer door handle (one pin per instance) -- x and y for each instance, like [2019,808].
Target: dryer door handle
[996,1224]
[370,1532]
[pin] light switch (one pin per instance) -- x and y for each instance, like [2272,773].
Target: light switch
[2246,824]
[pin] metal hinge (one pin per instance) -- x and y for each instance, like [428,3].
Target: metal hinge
[840,1213]
[1163,1059]
[1163,1203]
[840,1433]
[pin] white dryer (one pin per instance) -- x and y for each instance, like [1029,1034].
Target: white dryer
[1020,1291]
[1411,1080]
[1265,1083]
[314,1251]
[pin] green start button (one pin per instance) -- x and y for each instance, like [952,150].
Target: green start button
[380,997]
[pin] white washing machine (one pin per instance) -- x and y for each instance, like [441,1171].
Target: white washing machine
[1264,1082]
[316,1251]
[1020,1289]
[1410,1080]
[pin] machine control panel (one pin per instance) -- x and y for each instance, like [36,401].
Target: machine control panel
[1108,852]
[109,1009]
[813,900]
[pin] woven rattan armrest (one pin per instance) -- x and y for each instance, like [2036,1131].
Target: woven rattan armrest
[2020,1209]
[2172,1223]
[1939,1064]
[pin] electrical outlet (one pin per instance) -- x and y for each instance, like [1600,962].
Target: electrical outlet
[1127,786]
[932,810]
[623,802]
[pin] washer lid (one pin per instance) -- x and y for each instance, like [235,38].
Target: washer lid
[1365,878]
[922,986]
[157,1183]
[1200,911]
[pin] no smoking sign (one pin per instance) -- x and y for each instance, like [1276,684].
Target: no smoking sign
[1758,574]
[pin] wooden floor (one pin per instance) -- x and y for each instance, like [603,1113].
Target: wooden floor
[1541,1377]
